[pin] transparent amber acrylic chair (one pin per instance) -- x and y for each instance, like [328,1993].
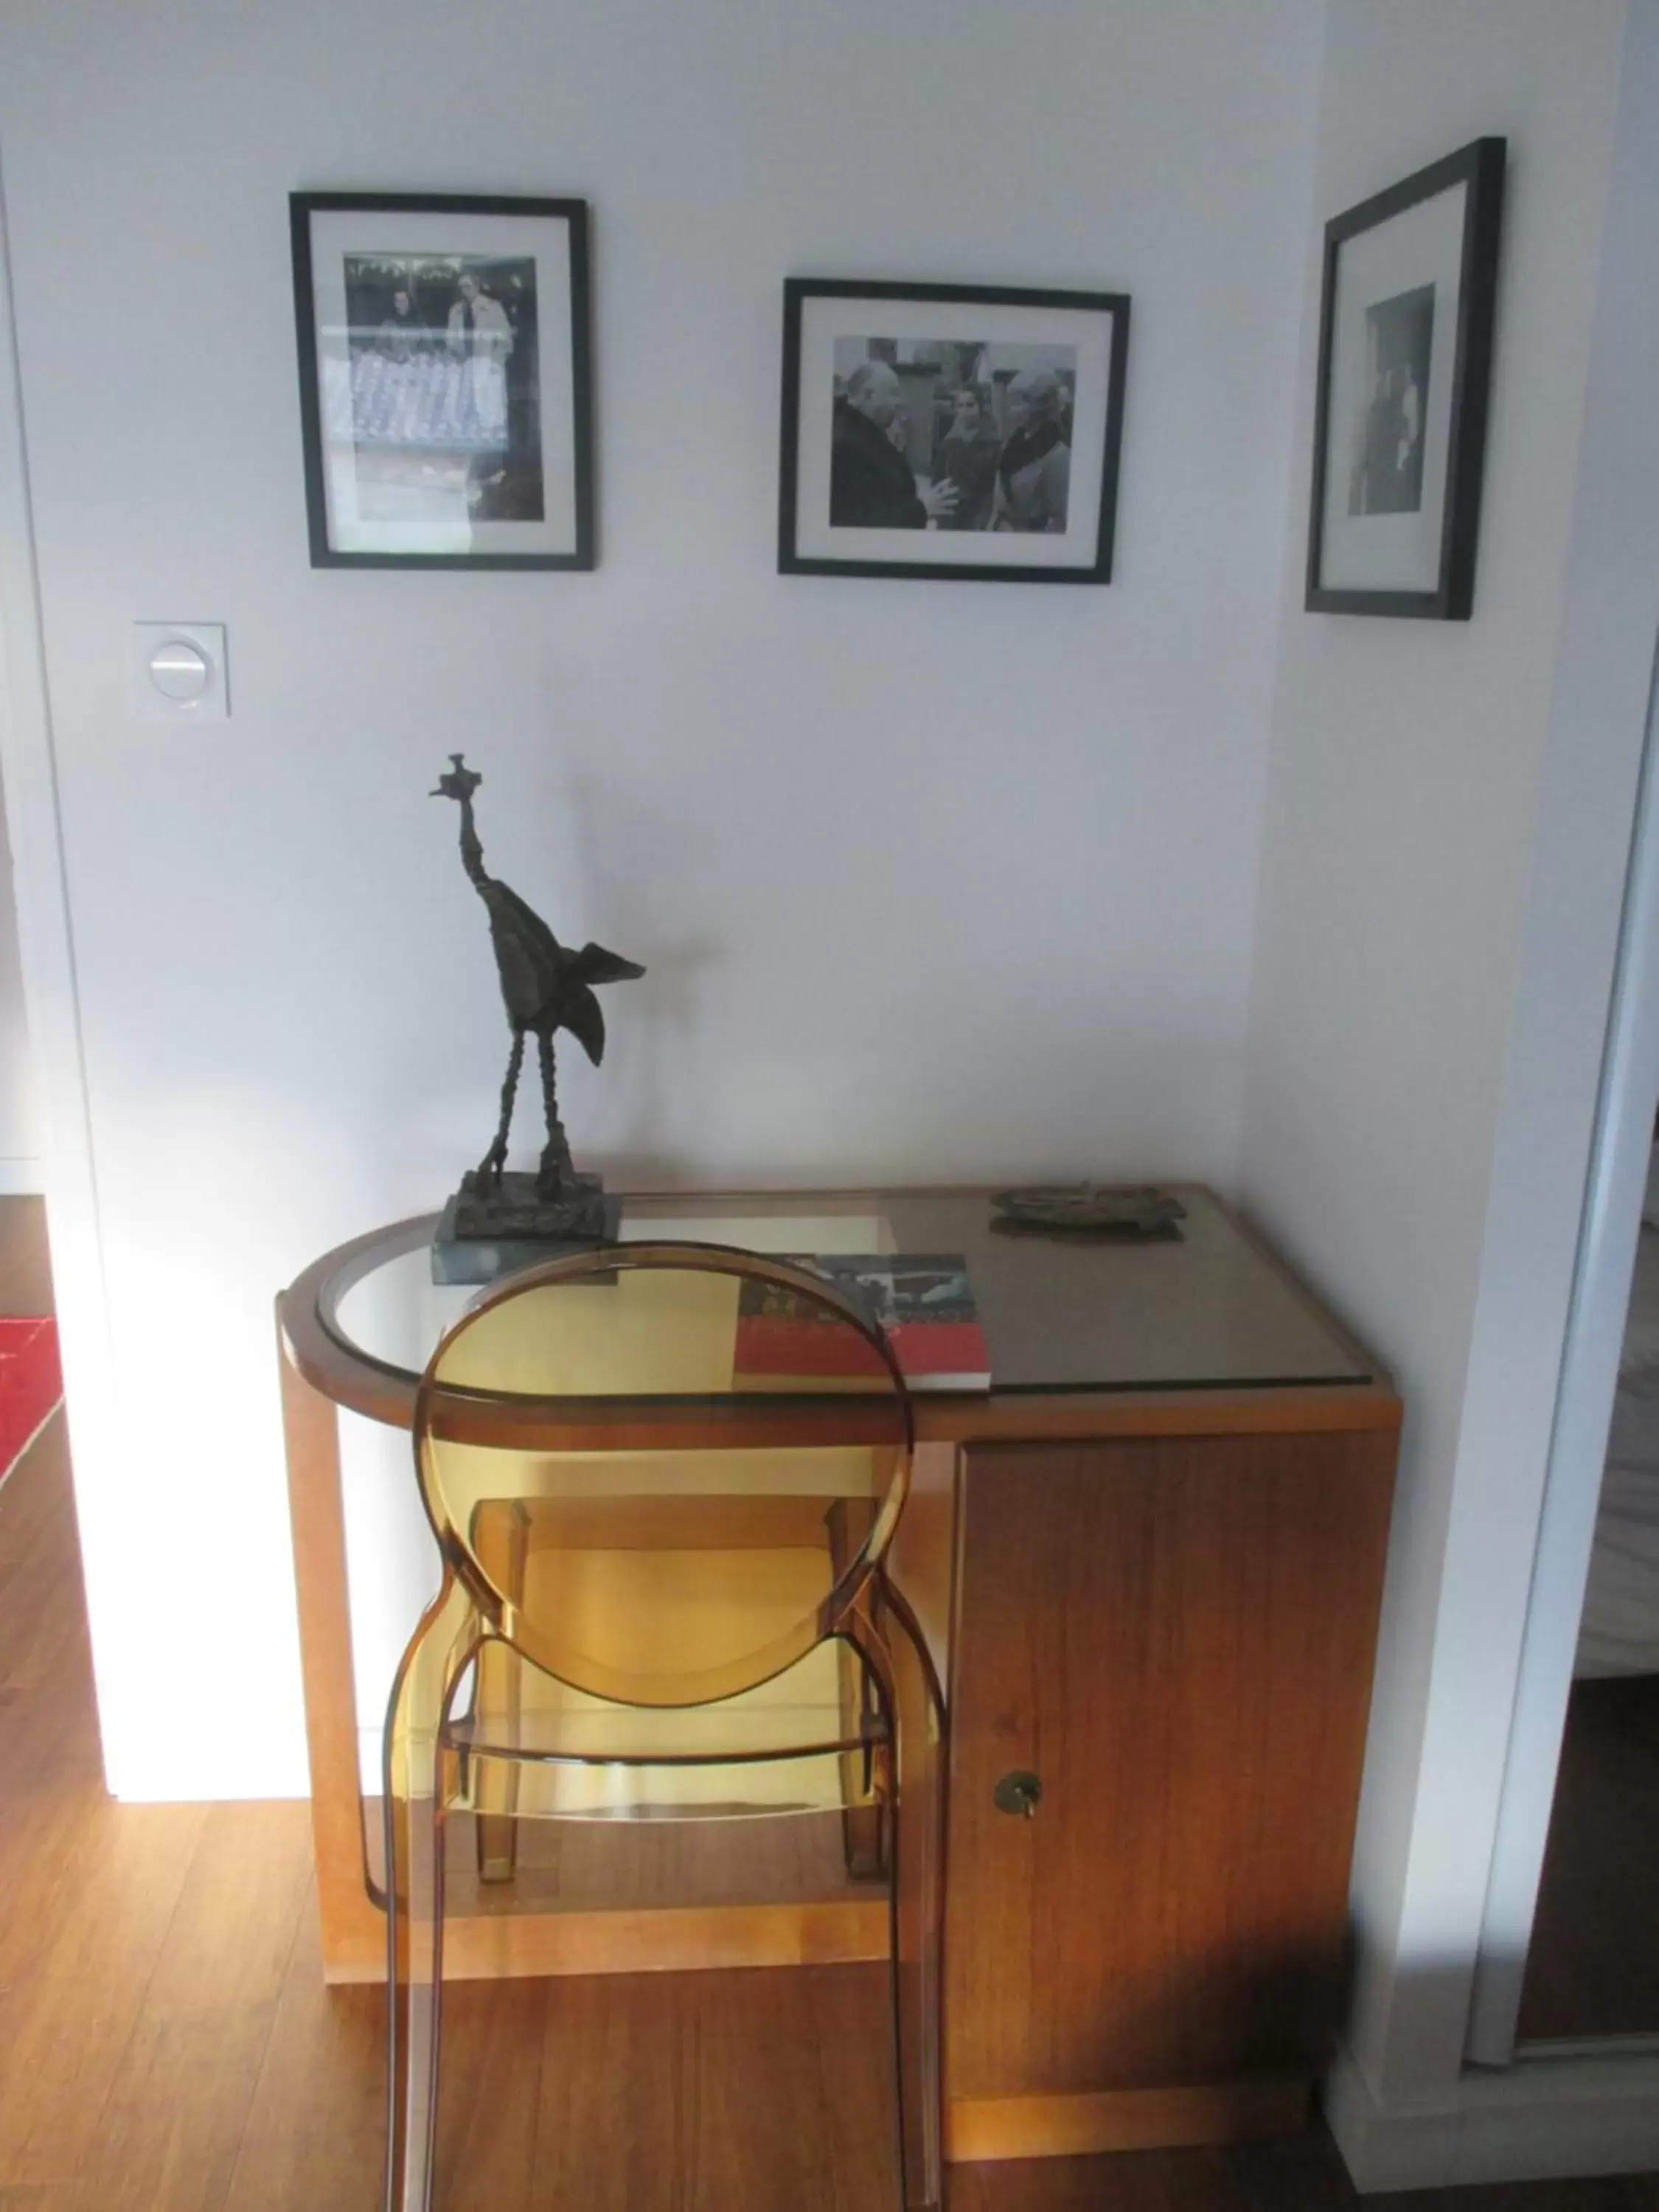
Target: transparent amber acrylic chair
[664,1479]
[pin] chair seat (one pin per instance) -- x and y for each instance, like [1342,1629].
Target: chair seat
[696,1735]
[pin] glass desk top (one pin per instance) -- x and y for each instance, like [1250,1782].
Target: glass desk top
[1060,1312]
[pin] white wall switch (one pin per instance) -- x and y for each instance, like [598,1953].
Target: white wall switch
[178,672]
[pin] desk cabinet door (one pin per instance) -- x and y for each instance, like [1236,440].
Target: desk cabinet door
[1176,1636]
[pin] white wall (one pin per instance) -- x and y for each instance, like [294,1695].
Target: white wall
[933,880]
[1449,814]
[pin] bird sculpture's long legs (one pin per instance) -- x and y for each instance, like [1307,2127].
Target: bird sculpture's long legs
[557,1168]
[489,1168]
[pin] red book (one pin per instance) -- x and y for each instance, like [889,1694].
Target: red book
[921,1303]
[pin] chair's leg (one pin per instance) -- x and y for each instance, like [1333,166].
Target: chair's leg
[415,1781]
[503,1537]
[495,1840]
[863,1825]
[916,1803]
[864,1830]
[446,1794]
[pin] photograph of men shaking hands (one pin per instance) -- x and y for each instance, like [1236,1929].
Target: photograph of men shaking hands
[948,434]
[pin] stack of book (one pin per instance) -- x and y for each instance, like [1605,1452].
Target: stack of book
[922,1304]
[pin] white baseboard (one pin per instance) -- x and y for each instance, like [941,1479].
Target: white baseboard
[21,1178]
[1548,2118]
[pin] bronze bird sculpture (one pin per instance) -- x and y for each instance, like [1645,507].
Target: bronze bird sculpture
[544,986]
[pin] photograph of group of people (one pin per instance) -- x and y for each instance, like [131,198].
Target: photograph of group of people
[442,399]
[950,435]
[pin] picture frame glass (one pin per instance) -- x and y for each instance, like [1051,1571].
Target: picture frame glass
[1391,385]
[969,434]
[445,361]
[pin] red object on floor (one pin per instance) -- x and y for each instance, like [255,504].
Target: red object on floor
[31,1385]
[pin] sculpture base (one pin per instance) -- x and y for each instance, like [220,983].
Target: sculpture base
[491,1229]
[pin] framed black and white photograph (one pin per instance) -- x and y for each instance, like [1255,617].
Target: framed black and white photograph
[949,431]
[444,384]
[1404,364]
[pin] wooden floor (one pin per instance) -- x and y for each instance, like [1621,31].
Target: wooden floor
[166,2044]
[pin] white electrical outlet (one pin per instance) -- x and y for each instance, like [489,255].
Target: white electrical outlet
[178,672]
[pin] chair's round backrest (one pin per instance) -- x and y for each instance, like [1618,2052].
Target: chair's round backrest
[663,1471]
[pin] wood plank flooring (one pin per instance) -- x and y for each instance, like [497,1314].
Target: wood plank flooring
[167,2044]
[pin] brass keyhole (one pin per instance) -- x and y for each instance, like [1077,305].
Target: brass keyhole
[1019,1793]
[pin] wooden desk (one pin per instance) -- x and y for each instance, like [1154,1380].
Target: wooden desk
[1149,1562]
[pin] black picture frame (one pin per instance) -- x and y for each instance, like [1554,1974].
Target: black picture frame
[1443,475]
[446,410]
[1091,327]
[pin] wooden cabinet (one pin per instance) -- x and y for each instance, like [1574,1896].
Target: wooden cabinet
[1175,1634]
[1147,1562]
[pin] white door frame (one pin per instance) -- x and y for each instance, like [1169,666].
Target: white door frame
[47,956]
[1406,2106]
[1583,1413]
